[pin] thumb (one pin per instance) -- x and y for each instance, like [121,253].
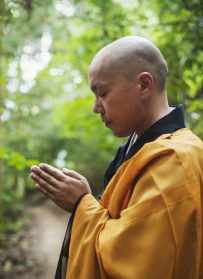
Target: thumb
[72,174]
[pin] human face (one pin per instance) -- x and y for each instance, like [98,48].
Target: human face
[117,101]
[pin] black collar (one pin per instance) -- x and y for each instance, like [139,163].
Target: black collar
[168,124]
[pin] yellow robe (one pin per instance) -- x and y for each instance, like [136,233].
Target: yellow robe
[148,224]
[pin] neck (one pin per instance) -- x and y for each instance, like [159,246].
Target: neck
[153,117]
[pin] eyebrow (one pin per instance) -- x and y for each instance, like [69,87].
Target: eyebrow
[94,87]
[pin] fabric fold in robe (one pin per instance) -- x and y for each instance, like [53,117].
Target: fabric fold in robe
[148,223]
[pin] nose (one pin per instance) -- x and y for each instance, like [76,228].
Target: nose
[97,107]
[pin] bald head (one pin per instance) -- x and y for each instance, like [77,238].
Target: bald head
[132,55]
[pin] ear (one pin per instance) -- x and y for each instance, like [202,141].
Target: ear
[145,82]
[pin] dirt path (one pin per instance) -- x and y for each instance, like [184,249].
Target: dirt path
[47,228]
[33,253]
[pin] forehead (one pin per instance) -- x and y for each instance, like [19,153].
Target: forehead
[104,72]
[100,78]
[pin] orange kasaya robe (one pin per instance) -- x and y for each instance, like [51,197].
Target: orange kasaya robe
[148,224]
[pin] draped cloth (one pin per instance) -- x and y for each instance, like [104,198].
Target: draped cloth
[148,223]
[170,123]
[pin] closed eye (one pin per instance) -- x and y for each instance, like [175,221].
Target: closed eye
[99,90]
[102,95]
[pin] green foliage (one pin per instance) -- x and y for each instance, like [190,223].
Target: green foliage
[15,159]
[179,33]
[45,103]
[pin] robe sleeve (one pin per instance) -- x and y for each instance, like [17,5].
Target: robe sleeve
[142,242]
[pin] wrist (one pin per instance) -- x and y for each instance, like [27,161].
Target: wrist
[79,200]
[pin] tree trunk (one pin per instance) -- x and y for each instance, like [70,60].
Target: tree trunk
[2,8]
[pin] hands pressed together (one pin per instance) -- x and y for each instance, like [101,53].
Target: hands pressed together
[63,187]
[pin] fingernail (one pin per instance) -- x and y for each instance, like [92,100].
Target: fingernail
[33,167]
[42,165]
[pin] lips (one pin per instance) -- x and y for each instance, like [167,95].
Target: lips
[107,122]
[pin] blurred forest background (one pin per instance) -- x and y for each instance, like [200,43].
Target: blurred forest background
[45,102]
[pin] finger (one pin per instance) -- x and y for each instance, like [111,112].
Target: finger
[34,177]
[33,168]
[41,189]
[37,185]
[47,177]
[45,192]
[43,184]
[52,171]
[72,174]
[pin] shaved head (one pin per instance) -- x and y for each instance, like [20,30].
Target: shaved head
[132,55]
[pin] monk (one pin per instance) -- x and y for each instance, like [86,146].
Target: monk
[148,222]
